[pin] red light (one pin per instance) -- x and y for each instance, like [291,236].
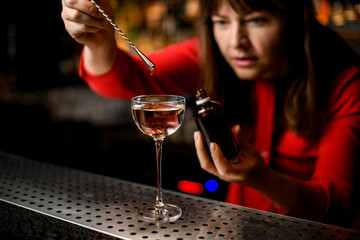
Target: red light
[190,187]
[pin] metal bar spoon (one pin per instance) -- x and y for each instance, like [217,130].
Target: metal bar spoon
[145,59]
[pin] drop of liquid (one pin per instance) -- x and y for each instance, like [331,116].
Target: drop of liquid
[152,71]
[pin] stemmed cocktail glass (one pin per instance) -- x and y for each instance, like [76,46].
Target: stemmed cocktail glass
[159,116]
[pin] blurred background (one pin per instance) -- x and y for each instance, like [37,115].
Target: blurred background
[48,113]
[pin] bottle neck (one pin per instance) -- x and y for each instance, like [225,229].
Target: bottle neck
[202,101]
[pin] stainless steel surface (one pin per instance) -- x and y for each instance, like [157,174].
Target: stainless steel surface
[146,60]
[110,205]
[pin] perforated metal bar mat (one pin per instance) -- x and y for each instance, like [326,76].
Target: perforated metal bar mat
[109,206]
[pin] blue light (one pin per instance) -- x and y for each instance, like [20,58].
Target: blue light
[211,185]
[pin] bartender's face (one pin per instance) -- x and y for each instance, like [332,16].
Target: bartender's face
[252,43]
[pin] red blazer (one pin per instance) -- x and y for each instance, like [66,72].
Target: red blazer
[324,168]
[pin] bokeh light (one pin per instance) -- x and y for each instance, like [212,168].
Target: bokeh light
[190,187]
[211,185]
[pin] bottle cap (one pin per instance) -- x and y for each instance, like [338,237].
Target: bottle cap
[201,97]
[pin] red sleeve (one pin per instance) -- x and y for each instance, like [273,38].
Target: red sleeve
[176,72]
[329,193]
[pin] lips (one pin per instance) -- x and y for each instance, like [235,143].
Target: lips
[244,61]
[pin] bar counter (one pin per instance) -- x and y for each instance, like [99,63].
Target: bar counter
[45,201]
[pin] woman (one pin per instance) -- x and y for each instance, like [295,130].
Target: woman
[291,84]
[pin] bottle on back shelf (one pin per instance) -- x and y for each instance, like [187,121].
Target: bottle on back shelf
[212,125]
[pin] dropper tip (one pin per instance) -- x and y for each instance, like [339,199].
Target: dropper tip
[152,71]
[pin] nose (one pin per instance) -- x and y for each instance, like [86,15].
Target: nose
[239,36]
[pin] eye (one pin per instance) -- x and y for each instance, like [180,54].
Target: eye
[256,18]
[219,21]
[255,21]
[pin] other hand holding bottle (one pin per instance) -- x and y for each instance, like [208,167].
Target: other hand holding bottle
[248,169]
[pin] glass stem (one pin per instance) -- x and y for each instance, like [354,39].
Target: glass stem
[159,198]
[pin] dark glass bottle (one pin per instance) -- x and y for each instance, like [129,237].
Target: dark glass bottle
[212,125]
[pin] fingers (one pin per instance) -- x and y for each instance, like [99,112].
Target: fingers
[218,165]
[222,165]
[75,12]
[249,162]
[75,30]
[76,16]
[83,6]
[236,131]
[81,17]
[80,32]
[239,137]
[204,159]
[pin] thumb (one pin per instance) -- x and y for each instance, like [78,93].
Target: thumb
[239,137]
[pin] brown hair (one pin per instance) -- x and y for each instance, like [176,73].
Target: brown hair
[310,66]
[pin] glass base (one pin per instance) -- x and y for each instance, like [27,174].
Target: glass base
[167,213]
